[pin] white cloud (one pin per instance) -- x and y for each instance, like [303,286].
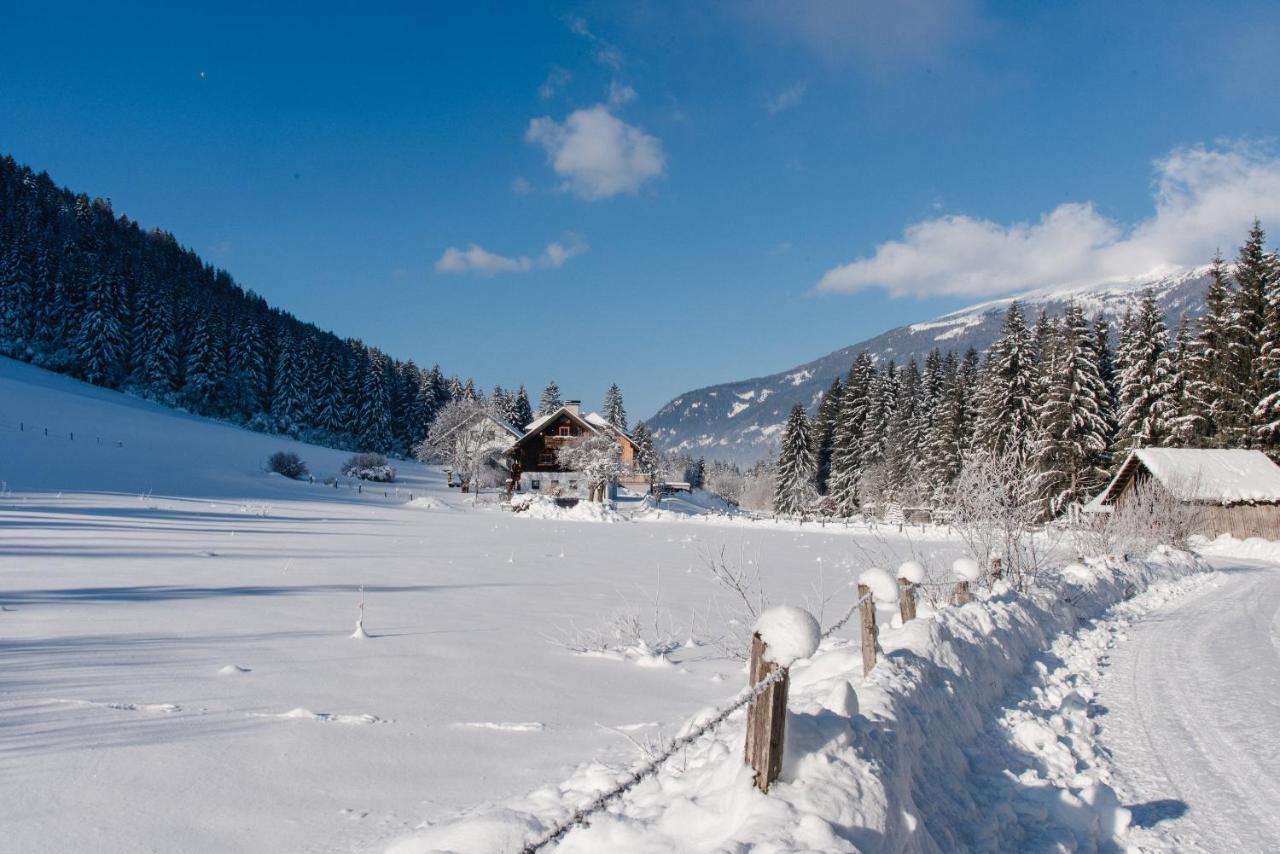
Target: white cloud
[482,262]
[787,99]
[606,53]
[1204,199]
[597,154]
[620,94]
[521,186]
[556,80]
[878,35]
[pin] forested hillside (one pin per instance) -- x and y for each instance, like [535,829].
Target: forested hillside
[91,294]
[1055,403]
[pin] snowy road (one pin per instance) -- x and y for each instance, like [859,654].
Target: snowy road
[1193,716]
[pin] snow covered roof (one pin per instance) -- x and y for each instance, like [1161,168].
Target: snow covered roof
[1210,476]
[593,421]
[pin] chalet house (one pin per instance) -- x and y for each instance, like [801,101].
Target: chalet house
[535,451]
[1238,490]
[488,439]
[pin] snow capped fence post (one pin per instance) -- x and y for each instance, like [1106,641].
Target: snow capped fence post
[869,632]
[966,571]
[910,573]
[782,635]
[996,568]
[874,585]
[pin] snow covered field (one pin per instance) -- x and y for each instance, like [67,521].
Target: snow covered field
[175,666]
[177,671]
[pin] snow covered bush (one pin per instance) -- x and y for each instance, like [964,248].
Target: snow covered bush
[288,464]
[466,436]
[1149,516]
[597,458]
[996,513]
[370,467]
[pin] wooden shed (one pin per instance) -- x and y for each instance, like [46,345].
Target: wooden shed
[1238,490]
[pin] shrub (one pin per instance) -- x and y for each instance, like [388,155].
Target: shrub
[288,464]
[370,467]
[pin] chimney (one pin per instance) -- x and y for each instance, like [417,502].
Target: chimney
[574,406]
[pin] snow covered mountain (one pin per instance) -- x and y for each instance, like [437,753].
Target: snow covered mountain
[742,421]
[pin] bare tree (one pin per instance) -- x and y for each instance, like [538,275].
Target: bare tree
[996,514]
[465,437]
[598,458]
[1147,516]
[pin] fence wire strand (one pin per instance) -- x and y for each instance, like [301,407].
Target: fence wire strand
[602,800]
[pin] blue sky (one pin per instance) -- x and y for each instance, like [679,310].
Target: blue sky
[665,195]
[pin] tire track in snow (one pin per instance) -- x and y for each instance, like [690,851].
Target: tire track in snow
[1193,720]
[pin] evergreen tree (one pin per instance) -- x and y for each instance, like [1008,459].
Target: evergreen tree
[1204,409]
[945,437]
[1144,407]
[523,411]
[902,443]
[846,454]
[374,417]
[1246,383]
[286,391]
[614,412]
[101,342]
[1073,430]
[550,399]
[1264,268]
[794,485]
[825,432]
[1007,390]
[646,456]
[881,396]
[247,375]
[205,367]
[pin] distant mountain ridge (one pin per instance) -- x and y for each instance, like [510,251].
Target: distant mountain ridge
[742,421]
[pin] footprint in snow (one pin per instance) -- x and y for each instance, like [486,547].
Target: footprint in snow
[233,670]
[322,717]
[532,726]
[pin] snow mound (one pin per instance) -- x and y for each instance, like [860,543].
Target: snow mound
[542,507]
[301,714]
[883,586]
[429,502]
[790,633]
[966,569]
[912,571]
[232,670]
[530,726]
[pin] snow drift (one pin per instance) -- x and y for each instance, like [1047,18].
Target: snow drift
[916,757]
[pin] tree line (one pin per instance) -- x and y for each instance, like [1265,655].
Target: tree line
[91,294]
[1063,397]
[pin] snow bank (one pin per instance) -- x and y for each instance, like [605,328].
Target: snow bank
[937,749]
[429,502]
[541,507]
[789,633]
[1253,548]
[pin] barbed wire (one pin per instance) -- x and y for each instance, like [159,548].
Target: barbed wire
[651,767]
[602,800]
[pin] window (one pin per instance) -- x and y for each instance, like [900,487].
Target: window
[564,430]
[573,484]
[535,485]
[547,458]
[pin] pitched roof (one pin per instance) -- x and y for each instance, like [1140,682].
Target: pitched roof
[592,422]
[1203,475]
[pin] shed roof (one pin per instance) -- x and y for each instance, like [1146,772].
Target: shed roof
[1203,475]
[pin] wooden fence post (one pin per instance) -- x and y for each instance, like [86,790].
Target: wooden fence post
[906,600]
[961,594]
[870,641]
[996,569]
[766,719]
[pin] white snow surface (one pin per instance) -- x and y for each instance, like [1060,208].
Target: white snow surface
[969,735]
[789,634]
[142,557]
[883,586]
